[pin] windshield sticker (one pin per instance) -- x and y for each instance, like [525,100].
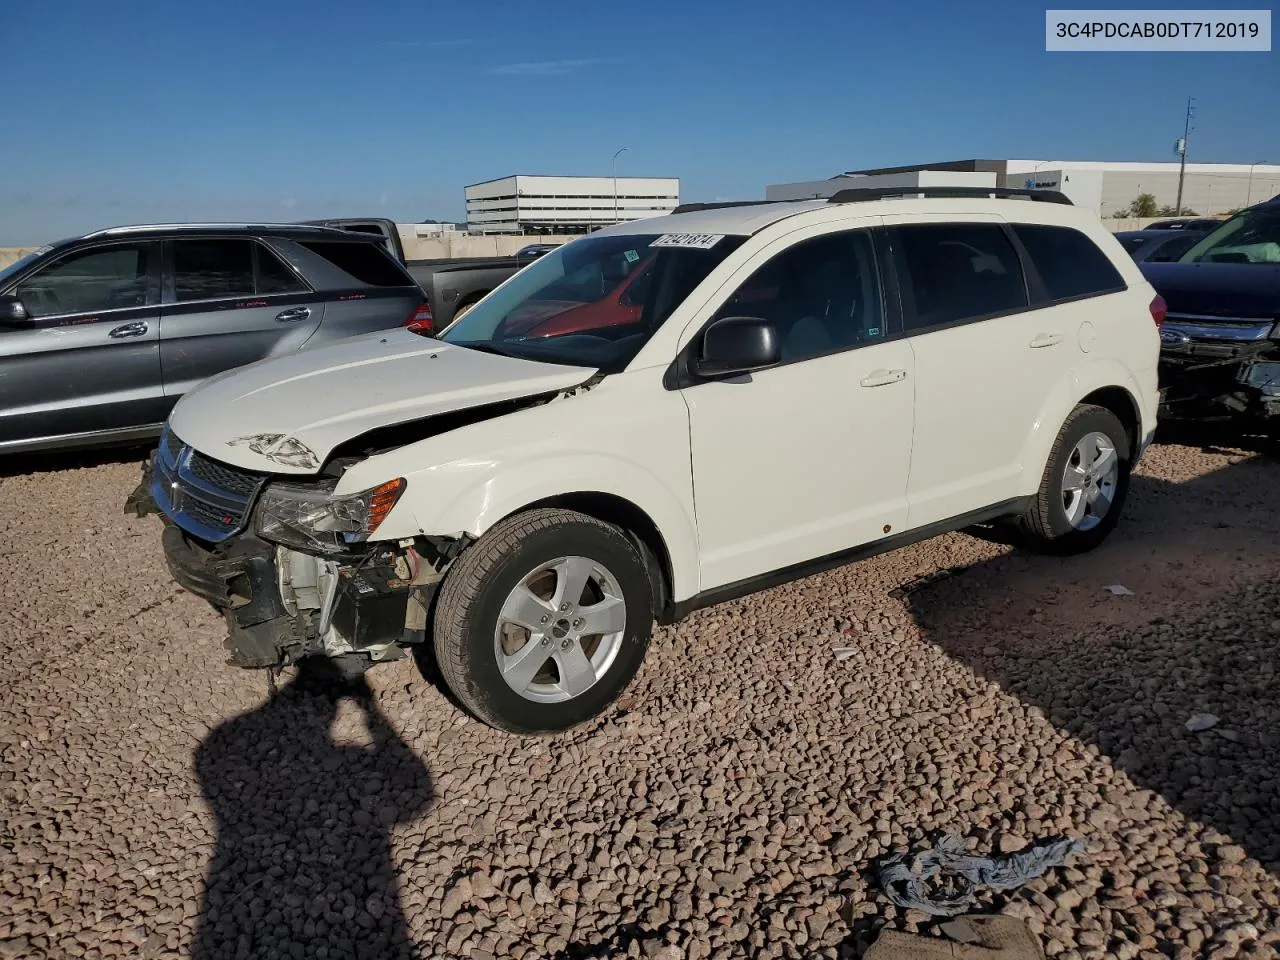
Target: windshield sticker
[631,256]
[696,241]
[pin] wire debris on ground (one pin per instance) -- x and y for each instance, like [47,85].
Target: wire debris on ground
[943,881]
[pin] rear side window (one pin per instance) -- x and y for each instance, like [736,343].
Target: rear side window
[274,276]
[1069,263]
[212,269]
[367,263]
[958,271]
[217,269]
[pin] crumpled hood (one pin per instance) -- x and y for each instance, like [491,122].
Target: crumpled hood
[286,415]
[1218,289]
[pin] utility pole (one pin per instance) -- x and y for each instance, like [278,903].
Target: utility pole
[1181,149]
[1248,200]
[621,150]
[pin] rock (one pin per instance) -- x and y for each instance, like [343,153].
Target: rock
[454,900]
[1068,900]
[1200,722]
[1231,853]
[1010,843]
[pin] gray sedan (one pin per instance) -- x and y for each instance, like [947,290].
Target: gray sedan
[100,335]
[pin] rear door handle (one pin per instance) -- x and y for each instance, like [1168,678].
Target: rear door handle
[1046,340]
[878,378]
[135,329]
[293,315]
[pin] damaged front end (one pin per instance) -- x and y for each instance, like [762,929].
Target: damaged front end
[1221,371]
[334,597]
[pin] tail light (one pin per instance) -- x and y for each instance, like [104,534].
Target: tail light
[1159,309]
[420,320]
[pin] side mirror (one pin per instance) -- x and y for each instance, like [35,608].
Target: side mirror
[12,312]
[737,345]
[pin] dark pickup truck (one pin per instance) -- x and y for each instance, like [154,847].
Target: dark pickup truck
[1220,342]
[452,285]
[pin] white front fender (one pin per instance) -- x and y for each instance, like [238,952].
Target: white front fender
[625,438]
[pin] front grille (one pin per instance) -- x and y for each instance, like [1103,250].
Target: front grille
[223,476]
[213,516]
[203,496]
[1201,327]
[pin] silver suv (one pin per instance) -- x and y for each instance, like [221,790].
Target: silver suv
[100,335]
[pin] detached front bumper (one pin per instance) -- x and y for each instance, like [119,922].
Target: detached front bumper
[1245,389]
[240,583]
[281,605]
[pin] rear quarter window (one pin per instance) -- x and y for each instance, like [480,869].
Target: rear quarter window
[366,262]
[1069,263]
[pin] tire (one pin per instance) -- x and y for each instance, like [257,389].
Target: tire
[1062,521]
[463,308]
[517,573]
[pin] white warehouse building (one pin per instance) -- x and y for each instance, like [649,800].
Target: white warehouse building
[539,204]
[1105,187]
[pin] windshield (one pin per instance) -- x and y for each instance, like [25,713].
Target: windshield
[593,302]
[13,269]
[1252,236]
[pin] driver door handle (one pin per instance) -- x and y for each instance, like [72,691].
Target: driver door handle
[293,315]
[135,329]
[879,378]
[1046,340]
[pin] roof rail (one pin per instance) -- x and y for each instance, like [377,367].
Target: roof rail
[212,225]
[861,194]
[693,207]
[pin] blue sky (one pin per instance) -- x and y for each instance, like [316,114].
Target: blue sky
[287,109]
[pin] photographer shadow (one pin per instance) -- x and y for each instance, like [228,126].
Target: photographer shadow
[303,854]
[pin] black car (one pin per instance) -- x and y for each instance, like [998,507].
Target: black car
[1158,246]
[101,334]
[1220,342]
[1202,224]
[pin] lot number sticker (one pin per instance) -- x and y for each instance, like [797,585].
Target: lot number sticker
[696,241]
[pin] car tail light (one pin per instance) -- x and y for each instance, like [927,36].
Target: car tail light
[420,320]
[1159,309]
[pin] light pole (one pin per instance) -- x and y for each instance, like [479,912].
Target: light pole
[1248,197]
[1180,148]
[620,151]
[1034,170]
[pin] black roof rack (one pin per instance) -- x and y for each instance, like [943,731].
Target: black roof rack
[860,194]
[692,207]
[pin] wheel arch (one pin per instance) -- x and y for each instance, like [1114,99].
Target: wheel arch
[1106,383]
[639,527]
[1122,403]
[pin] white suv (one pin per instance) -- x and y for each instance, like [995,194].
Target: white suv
[660,416]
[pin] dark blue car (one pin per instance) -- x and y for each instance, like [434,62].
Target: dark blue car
[1220,343]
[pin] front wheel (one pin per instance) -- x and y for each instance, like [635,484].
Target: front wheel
[1084,484]
[543,622]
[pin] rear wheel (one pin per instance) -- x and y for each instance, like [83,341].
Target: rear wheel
[544,621]
[1084,484]
[463,308]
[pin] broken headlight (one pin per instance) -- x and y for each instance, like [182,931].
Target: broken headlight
[309,517]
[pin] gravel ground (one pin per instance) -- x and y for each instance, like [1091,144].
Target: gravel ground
[157,803]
